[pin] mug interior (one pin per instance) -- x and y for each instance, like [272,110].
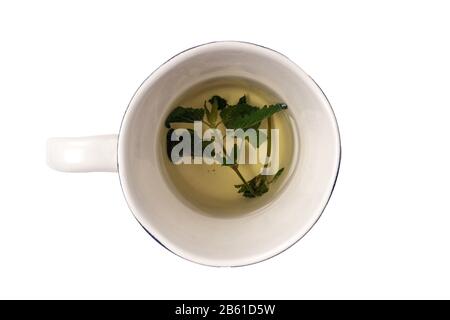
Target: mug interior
[245,239]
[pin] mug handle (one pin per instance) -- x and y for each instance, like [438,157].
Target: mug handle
[83,154]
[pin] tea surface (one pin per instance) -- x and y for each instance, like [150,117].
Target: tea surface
[211,188]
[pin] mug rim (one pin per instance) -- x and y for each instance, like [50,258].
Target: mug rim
[321,92]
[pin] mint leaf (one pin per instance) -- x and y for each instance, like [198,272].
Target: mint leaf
[184,115]
[245,116]
[218,102]
[242,100]
[259,185]
[276,176]
[231,115]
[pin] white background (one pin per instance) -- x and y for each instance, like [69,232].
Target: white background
[70,68]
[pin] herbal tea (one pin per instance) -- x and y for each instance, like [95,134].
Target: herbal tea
[227,146]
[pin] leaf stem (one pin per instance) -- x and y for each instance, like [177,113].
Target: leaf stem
[209,125]
[269,140]
[235,169]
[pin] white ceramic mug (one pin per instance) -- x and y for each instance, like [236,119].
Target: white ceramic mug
[210,240]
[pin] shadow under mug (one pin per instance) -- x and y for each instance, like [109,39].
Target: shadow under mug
[134,153]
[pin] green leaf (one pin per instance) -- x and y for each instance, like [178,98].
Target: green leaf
[231,115]
[242,109]
[245,116]
[242,100]
[184,115]
[276,175]
[219,102]
[259,185]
